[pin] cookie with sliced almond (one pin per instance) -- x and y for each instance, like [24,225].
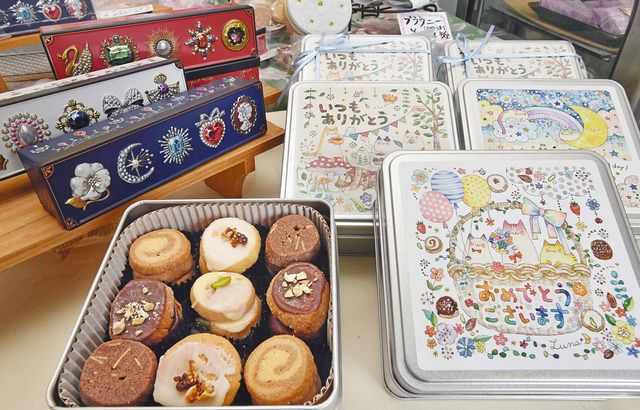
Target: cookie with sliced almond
[298,298]
[146,311]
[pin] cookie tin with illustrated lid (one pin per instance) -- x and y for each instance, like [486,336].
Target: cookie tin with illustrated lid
[317,17]
[33,117]
[492,287]
[191,217]
[371,63]
[337,135]
[557,114]
[554,59]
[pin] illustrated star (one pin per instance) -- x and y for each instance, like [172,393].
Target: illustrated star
[500,146]
[633,187]
[614,153]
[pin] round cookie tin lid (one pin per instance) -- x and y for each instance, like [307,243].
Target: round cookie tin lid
[477,301]
[318,16]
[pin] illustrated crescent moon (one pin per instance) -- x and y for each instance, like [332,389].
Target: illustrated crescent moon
[127,158]
[594,133]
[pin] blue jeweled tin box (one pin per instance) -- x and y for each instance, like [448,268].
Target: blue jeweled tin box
[89,172]
[26,16]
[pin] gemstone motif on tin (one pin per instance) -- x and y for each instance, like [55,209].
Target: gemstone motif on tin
[50,9]
[111,105]
[211,128]
[235,35]
[163,90]
[22,130]
[90,184]
[4,20]
[201,40]
[76,62]
[118,50]
[75,116]
[163,43]
[23,13]
[243,114]
[134,164]
[76,8]
[175,145]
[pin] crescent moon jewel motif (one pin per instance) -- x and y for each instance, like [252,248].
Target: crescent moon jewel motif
[132,161]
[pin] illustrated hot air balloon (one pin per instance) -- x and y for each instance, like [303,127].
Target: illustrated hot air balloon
[435,207]
[476,191]
[449,184]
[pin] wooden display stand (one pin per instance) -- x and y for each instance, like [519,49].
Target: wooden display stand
[28,230]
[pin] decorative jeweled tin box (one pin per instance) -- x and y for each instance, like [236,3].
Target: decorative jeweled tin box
[506,275]
[337,135]
[24,16]
[382,60]
[558,114]
[92,170]
[38,114]
[197,37]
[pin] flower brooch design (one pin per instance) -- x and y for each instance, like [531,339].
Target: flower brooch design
[22,130]
[75,116]
[163,90]
[201,40]
[89,184]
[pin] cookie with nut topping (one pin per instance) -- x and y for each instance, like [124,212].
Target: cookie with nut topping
[293,238]
[298,298]
[230,245]
[146,311]
[118,373]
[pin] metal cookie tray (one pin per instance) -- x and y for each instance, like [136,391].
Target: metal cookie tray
[456,305]
[191,216]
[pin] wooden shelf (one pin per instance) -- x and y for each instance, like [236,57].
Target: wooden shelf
[28,230]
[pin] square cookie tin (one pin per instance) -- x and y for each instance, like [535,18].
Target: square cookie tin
[337,135]
[371,63]
[43,112]
[91,171]
[561,61]
[557,114]
[192,217]
[489,287]
[197,37]
[26,16]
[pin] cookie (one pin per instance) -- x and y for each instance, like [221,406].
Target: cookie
[228,301]
[446,307]
[118,373]
[601,249]
[281,371]
[298,297]
[230,245]
[293,238]
[146,311]
[497,183]
[200,370]
[163,255]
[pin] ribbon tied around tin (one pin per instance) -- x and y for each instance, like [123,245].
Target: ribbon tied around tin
[339,44]
[462,42]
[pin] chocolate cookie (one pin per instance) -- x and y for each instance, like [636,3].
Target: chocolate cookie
[601,249]
[146,311]
[292,238]
[118,373]
[446,307]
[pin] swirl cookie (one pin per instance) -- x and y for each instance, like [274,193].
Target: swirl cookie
[118,373]
[163,255]
[230,245]
[145,311]
[293,238]
[298,297]
[200,370]
[280,371]
[433,244]
[228,300]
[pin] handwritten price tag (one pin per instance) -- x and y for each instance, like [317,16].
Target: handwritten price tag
[435,25]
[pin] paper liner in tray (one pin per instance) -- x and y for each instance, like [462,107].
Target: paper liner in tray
[191,218]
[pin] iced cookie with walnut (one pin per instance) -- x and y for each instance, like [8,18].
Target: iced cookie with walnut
[293,238]
[281,371]
[118,373]
[164,255]
[298,298]
[145,311]
[228,301]
[229,244]
[200,370]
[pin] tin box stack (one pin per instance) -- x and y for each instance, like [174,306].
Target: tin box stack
[93,170]
[349,110]
[210,42]
[34,117]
